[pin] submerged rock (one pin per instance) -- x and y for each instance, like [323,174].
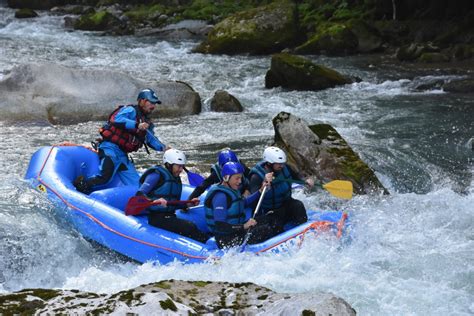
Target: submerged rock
[460,86]
[299,73]
[63,95]
[318,150]
[175,297]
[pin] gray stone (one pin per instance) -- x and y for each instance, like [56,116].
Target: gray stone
[63,95]
[225,102]
[176,297]
[299,73]
[319,151]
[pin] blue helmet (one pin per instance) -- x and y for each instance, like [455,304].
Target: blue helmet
[230,168]
[149,95]
[225,156]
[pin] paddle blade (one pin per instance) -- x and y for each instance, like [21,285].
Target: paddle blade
[194,178]
[136,204]
[340,188]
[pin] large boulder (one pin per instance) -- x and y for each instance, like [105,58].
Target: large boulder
[262,30]
[319,151]
[63,95]
[299,73]
[172,297]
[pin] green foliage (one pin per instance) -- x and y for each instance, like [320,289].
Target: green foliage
[215,11]
[142,12]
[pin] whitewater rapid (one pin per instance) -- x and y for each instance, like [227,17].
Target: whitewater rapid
[411,252]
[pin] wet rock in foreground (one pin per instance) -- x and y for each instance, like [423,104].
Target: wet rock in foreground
[176,297]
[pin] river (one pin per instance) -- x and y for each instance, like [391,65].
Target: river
[412,251]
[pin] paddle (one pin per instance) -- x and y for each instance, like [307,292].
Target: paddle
[339,188]
[136,204]
[194,178]
[247,235]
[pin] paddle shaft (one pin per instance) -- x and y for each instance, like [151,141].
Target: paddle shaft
[247,235]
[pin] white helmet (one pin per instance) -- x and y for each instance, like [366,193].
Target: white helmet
[174,156]
[274,155]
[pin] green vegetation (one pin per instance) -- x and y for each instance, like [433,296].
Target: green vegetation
[143,12]
[168,304]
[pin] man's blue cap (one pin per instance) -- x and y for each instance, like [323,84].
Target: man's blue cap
[149,95]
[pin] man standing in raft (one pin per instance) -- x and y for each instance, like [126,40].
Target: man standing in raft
[127,130]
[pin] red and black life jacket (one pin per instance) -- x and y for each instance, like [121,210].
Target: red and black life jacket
[129,140]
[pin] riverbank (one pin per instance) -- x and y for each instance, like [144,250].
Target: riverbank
[428,32]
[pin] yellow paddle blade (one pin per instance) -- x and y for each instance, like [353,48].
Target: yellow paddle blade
[340,188]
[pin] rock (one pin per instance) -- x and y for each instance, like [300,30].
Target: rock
[460,86]
[225,102]
[62,95]
[319,151]
[262,30]
[298,73]
[336,39]
[25,13]
[414,51]
[98,21]
[186,29]
[433,58]
[462,52]
[368,37]
[176,298]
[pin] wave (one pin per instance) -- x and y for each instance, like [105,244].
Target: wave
[417,86]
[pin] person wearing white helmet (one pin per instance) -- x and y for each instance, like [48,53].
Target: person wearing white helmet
[163,183]
[278,199]
[127,130]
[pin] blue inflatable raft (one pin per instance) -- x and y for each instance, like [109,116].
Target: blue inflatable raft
[100,216]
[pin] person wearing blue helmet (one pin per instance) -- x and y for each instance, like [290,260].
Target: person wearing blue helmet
[225,210]
[225,155]
[127,130]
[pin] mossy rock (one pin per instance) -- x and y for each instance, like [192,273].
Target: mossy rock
[321,152]
[260,30]
[97,21]
[331,39]
[25,13]
[299,73]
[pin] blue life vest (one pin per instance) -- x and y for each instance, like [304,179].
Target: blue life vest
[169,187]
[235,207]
[279,192]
